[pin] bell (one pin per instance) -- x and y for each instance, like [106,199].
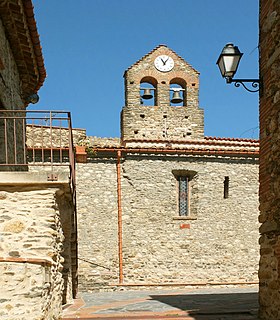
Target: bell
[147,94]
[176,97]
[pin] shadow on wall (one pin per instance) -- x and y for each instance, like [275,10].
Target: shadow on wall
[66,209]
[216,306]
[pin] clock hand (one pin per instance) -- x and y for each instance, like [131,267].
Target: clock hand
[166,61]
[163,61]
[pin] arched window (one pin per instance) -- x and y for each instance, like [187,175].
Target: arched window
[178,92]
[148,91]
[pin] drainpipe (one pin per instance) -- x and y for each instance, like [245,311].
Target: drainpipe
[119,216]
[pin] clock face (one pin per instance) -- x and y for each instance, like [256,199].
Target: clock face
[164,63]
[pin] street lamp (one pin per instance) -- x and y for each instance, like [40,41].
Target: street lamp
[228,62]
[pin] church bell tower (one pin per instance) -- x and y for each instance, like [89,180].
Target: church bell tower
[161,99]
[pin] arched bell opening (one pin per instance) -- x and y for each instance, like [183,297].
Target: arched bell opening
[148,91]
[178,92]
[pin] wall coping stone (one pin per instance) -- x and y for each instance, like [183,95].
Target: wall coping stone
[12,178]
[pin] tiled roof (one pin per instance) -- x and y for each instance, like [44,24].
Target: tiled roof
[205,141]
[19,22]
[209,145]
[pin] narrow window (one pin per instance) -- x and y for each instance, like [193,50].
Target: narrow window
[226,187]
[184,195]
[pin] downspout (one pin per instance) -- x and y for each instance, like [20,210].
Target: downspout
[119,153]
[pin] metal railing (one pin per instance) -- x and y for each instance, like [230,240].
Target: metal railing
[36,138]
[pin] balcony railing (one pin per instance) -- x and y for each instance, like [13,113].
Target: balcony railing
[36,138]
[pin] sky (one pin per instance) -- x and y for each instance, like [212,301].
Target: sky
[88,44]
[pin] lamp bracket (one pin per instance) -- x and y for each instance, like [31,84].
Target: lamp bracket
[255,83]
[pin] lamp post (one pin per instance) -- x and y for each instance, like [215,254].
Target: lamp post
[228,62]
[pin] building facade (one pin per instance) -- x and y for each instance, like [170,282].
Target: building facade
[22,74]
[37,206]
[164,205]
[269,271]
[161,206]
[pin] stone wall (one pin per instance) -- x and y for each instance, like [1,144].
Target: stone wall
[150,122]
[10,86]
[35,257]
[217,243]
[39,136]
[97,223]
[269,270]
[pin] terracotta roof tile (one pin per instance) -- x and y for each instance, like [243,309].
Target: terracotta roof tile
[210,145]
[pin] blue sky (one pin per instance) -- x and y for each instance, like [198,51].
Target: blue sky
[88,44]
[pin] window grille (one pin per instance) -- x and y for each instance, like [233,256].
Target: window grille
[183,195]
[226,187]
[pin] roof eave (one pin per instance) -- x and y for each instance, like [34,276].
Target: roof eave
[23,37]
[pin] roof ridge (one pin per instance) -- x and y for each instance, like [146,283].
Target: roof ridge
[231,139]
[192,141]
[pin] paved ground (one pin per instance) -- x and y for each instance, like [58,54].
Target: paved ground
[189,304]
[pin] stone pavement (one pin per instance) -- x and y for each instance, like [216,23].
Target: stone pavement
[238,303]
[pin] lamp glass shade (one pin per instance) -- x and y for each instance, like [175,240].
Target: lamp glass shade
[229,60]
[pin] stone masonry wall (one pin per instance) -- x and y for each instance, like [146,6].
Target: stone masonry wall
[55,137]
[10,88]
[150,122]
[218,243]
[31,251]
[97,223]
[269,270]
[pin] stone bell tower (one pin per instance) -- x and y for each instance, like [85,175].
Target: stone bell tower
[161,99]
